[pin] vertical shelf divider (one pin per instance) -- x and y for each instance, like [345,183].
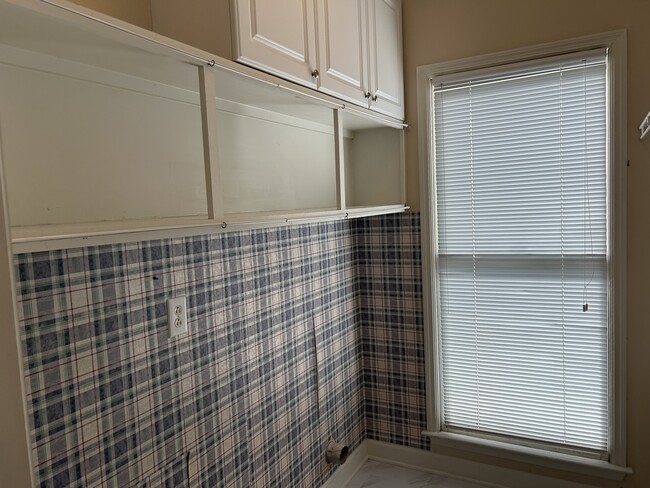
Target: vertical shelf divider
[340,158]
[210,150]
[402,166]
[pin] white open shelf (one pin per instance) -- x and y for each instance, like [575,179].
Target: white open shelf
[374,175]
[276,149]
[111,133]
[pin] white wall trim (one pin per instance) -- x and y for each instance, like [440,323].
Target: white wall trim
[440,464]
[617,222]
[66,236]
[616,42]
[342,476]
[531,455]
[528,53]
[462,469]
[428,240]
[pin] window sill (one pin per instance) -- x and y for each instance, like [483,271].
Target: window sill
[539,457]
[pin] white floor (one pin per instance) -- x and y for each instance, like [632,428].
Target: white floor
[379,475]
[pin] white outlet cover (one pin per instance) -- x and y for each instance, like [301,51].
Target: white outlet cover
[177,316]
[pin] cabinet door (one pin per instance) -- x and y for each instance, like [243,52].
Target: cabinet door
[342,48]
[385,51]
[277,36]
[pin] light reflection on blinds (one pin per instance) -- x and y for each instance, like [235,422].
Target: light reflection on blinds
[518,240]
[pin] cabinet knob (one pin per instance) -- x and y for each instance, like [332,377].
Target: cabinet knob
[375,97]
[368,95]
[315,74]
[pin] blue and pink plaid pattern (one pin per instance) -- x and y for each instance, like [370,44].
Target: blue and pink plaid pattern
[389,273]
[296,333]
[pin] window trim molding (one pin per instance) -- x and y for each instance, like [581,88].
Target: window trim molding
[616,43]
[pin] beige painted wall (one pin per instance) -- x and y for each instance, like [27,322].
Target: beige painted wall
[442,30]
[15,463]
[200,23]
[136,12]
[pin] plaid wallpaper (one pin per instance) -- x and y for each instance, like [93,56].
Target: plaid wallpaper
[390,305]
[296,333]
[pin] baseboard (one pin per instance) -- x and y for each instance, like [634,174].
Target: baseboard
[479,473]
[431,462]
[347,470]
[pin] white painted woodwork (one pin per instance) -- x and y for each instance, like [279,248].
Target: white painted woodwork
[88,37]
[276,149]
[358,52]
[108,136]
[213,193]
[342,49]
[373,168]
[385,54]
[69,236]
[41,28]
[466,472]
[84,145]
[616,44]
[248,91]
[284,168]
[278,37]
[339,149]
[268,165]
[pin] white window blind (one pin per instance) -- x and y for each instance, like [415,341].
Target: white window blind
[521,199]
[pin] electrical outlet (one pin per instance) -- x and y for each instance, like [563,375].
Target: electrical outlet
[177,316]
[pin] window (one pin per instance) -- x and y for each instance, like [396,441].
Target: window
[520,165]
[521,225]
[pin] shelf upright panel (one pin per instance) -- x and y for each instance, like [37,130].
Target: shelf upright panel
[214,193]
[340,158]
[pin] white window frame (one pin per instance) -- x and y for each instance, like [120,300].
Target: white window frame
[615,466]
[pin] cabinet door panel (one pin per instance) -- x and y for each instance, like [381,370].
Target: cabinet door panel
[342,29]
[277,36]
[385,28]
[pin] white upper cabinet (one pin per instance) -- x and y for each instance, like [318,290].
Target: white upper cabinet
[351,49]
[342,42]
[386,76]
[277,36]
